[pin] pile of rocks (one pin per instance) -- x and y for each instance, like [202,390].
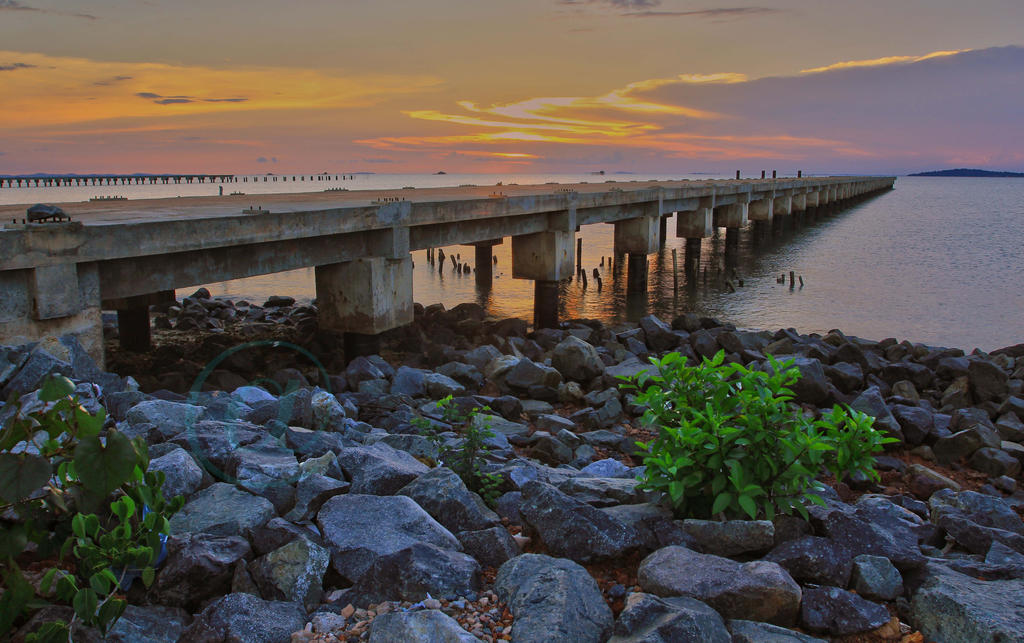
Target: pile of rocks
[309,510]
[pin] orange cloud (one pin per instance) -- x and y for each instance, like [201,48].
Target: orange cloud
[876,62]
[50,90]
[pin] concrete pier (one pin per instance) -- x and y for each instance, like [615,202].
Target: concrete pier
[56,277]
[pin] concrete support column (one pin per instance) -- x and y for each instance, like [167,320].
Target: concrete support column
[663,230]
[636,278]
[811,200]
[365,297]
[799,202]
[692,257]
[638,238]
[696,224]
[546,258]
[51,301]
[735,215]
[762,209]
[484,262]
[133,328]
[782,205]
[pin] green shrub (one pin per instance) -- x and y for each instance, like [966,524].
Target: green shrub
[730,441]
[467,457]
[71,491]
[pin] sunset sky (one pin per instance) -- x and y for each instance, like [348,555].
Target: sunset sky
[510,86]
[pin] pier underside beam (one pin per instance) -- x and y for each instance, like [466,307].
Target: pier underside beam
[734,215]
[696,224]
[762,209]
[638,238]
[133,318]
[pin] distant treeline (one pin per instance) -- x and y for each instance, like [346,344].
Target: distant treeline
[969,172]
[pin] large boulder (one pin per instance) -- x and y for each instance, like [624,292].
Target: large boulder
[553,599]
[490,547]
[731,537]
[293,572]
[754,632]
[987,381]
[875,578]
[222,510]
[652,619]
[443,494]
[422,626]
[814,560]
[576,360]
[359,529]
[244,617]
[170,418]
[198,567]
[858,531]
[379,469]
[950,606]
[659,334]
[574,529]
[870,402]
[417,572]
[182,476]
[759,590]
[837,612]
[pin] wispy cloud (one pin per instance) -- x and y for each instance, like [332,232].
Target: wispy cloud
[14,66]
[877,62]
[14,5]
[720,13]
[107,82]
[159,99]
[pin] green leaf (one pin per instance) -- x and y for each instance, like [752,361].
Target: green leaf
[747,504]
[109,613]
[103,468]
[85,603]
[52,632]
[99,584]
[22,474]
[722,501]
[55,388]
[148,574]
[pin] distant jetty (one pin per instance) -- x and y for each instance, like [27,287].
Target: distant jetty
[971,172]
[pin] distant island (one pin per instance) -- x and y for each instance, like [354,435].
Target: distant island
[970,172]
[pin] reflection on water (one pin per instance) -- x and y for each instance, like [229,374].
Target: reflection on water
[935,260]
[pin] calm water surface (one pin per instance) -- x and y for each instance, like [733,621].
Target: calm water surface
[938,260]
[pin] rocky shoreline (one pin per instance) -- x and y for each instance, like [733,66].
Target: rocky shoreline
[314,513]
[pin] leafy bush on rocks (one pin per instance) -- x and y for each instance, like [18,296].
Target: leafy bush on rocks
[467,457]
[85,500]
[731,441]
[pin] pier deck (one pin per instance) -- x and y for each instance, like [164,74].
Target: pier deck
[56,277]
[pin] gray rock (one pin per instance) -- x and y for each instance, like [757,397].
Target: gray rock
[182,475]
[759,590]
[361,369]
[875,578]
[731,537]
[170,418]
[550,450]
[311,492]
[987,381]
[359,529]
[467,375]
[659,334]
[814,560]
[490,547]
[626,369]
[445,497]
[858,533]
[1010,427]
[995,462]
[553,599]
[294,572]
[915,423]
[963,444]
[481,356]
[439,386]
[604,492]
[423,626]
[950,606]
[527,373]
[379,469]
[574,529]
[198,567]
[576,360]
[607,468]
[27,373]
[409,381]
[222,510]
[754,632]
[417,572]
[871,403]
[148,624]
[976,507]
[244,617]
[812,387]
[840,613]
[212,443]
[651,619]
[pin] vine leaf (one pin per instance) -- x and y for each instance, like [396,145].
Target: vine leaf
[103,468]
[21,474]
